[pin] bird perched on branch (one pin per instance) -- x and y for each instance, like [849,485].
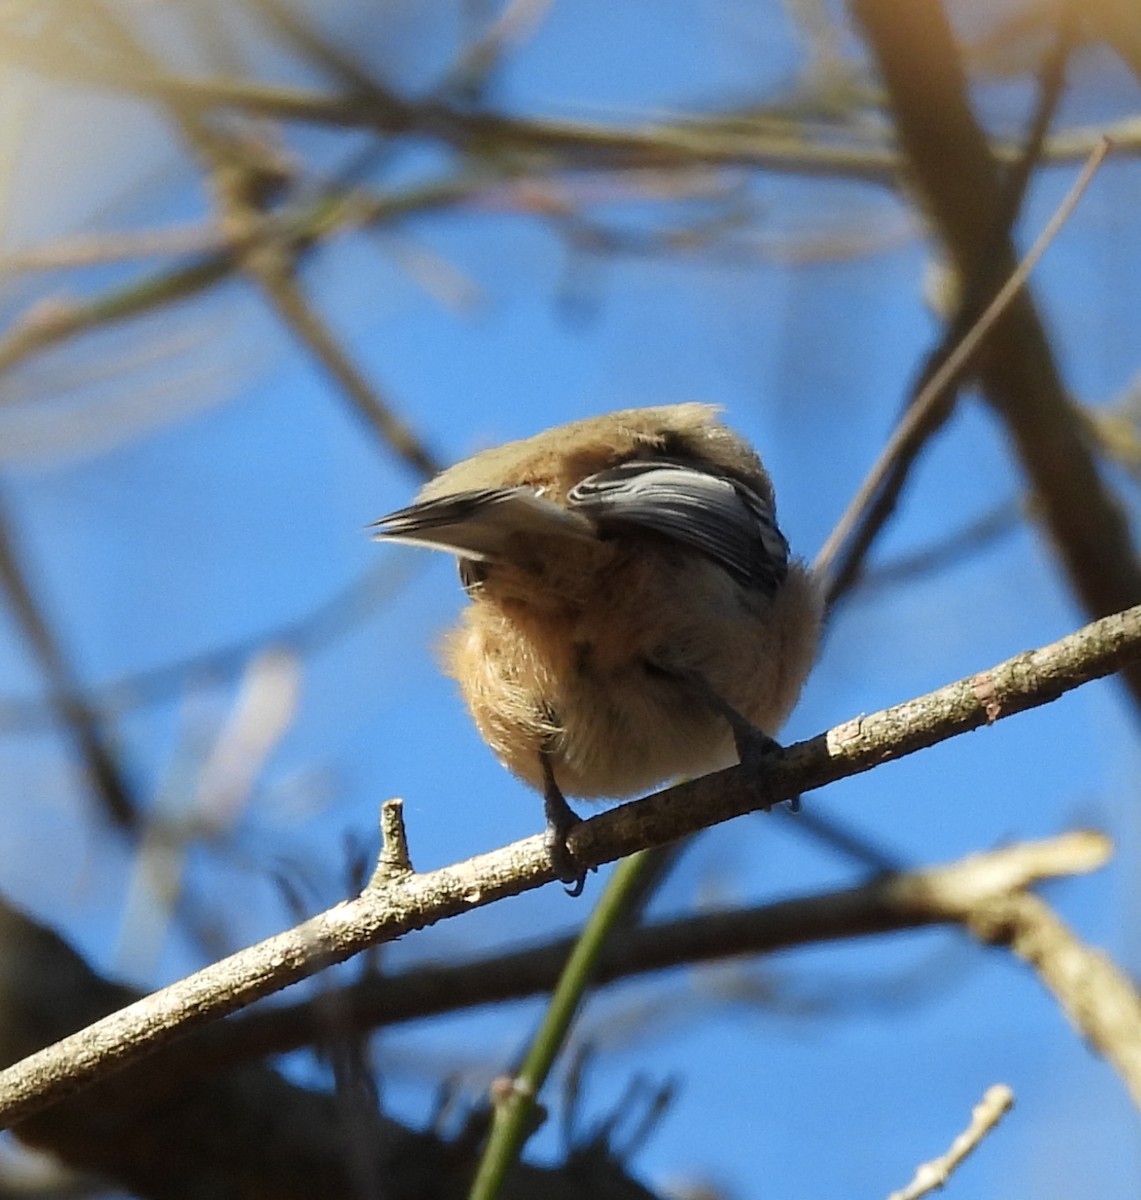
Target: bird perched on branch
[634,614]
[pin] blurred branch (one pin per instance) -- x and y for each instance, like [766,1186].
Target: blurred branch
[843,839]
[54,321]
[948,551]
[1116,22]
[780,143]
[876,496]
[301,36]
[485,53]
[411,900]
[104,771]
[932,1176]
[297,228]
[189,810]
[1116,429]
[1101,1002]
[501,149]
[98,248]
[330,621]
[244,185]
[956,175]
[245,1133]
[907,900]
[983,297]
[275,274]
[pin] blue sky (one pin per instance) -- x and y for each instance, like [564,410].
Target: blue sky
[193,481]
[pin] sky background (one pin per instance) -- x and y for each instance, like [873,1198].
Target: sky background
[191,482]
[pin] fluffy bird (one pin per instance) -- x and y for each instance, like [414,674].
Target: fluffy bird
[634,613]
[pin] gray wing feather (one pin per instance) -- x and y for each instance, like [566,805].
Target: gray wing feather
[479,524]
[721,517]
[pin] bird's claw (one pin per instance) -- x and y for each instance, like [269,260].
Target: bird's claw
[756,752]
[561,819]
[563,861]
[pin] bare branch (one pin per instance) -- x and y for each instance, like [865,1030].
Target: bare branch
[580,144]
[409,902]
[104,771]
[285,297]
[983,298]
[919,420]
[933,1175]
[956,175]
[1101,1001]
[907,900]
[97,248]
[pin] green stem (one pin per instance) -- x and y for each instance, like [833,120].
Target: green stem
[514,1120]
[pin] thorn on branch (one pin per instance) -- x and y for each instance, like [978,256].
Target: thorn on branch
[394,861]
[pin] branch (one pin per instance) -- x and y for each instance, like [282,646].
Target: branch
[274,272]
[65,696]
[298,229]
[917,899]
[1101,1002]
[718,140]
[241,1133]
[241,191]
[933,1175]
[981,302]
[956,176]
[413,901]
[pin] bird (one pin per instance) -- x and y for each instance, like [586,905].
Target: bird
[634,613]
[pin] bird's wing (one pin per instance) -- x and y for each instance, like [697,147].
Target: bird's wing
[721,517]
[479,524]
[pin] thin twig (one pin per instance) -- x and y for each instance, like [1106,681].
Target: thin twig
[949,372]
[933,1175]
[104,771]
[977,290]
[282,291]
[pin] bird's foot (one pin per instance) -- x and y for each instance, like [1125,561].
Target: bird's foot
[756,751]
[561,819]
